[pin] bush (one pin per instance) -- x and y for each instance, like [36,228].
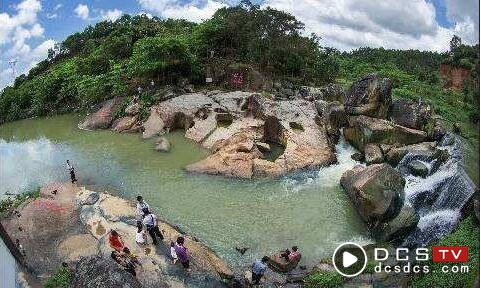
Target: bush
[8,205]
[324,280]
[60,279]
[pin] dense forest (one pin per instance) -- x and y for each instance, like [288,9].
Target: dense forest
[113,58]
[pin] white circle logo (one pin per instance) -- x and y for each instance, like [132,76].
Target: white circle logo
[347,258]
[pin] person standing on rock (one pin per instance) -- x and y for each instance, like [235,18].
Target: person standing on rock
[181,252]
[259,268]
[141,205]
[72,172]
[150,221]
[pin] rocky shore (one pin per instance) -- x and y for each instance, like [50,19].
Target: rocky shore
[70,224]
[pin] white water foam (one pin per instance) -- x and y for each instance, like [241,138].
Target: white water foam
[327,177]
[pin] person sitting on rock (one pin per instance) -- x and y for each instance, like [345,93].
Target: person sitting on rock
[124,262]
[131,256]
[181,253]
[115,241]
[141,205]
[140,236]
[290,255]
[259,268]
[150,221]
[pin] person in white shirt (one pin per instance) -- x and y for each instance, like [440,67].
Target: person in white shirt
[173,254]
[150,221]
[140,236]
[141,205]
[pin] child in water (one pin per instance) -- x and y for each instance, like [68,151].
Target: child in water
[173,254]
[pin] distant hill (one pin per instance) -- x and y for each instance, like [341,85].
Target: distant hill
[114,58]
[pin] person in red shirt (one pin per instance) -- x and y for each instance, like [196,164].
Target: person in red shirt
[115,241]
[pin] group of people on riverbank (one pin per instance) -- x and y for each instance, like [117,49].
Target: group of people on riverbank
[122,254]
[148,221]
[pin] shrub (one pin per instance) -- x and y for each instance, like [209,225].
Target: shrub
[60,279]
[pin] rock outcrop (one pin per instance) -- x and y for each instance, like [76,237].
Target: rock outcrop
[370,96]
[397,228]
[409,114]
[99,272]
[229,124]
[363,130]
[377,191]
[102,119]
[373,154]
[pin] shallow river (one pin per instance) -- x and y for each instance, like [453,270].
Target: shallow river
[307,209]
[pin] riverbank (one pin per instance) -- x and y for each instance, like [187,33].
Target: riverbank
[69,224]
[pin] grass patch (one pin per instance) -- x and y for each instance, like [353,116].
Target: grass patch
[324,279]
[60,279]
[467,234]
[7,206]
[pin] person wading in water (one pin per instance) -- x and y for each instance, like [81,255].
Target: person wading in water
[72,172]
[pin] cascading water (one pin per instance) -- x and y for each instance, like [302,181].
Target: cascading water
[439,197]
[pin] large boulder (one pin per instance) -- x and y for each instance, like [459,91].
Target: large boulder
[370,96]
[162,145]
[395,154]
[280,265]
[373,154]
[103,273]
[410,114]
[333,116]
[125,124]
[377,191]
[363,130]
[330,93]
[102,119]
[403,223]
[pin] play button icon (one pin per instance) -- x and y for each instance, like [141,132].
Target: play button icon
[349,259]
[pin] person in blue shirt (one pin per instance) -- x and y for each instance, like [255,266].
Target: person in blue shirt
[259,267]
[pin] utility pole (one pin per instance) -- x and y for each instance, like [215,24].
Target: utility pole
[12,64]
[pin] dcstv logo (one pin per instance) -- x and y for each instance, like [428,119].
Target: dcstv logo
[450,253]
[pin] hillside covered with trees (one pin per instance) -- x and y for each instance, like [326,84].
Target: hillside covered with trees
[114,58]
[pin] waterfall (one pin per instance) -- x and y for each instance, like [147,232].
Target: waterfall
[440,197]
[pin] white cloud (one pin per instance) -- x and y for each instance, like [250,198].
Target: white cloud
[15,30]
[58,6]
[26,16]
[82,11]
[192,11]
[111,15]
[349,24]
[465,14]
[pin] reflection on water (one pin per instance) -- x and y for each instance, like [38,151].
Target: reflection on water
[306,209]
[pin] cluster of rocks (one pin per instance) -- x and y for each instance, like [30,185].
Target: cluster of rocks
[238,127]
[385,132]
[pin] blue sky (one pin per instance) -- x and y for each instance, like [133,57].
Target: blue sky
[29,27]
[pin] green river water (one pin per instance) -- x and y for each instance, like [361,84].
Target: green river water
[306,209]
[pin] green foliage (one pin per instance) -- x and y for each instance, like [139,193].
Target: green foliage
[467,234]
[324,280]
[8,205]
[60,279]
[163,55]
